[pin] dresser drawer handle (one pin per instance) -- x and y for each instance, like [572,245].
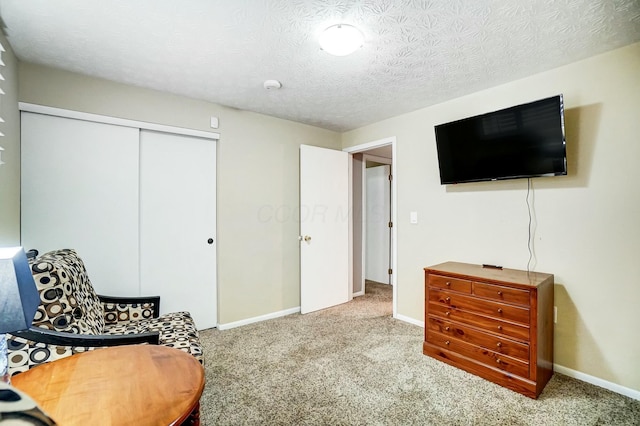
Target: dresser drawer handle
[447,328]
[447,343]
[499,293]
[498,361]
[447,313]
[500,327]
[499,310]
[448,284]
[447,299]
[499,344]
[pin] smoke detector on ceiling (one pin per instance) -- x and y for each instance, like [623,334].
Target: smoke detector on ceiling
[272,84]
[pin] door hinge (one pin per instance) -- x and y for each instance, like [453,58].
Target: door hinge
[390,177]
[390,271]
[390,224]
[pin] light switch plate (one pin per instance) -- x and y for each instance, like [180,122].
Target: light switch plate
[214,122]
[413,217]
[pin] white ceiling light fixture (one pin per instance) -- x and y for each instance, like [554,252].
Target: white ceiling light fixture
[341,39]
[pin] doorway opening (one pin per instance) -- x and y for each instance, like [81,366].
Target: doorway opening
[374,230]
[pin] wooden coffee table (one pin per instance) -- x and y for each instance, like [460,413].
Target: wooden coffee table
[121,385]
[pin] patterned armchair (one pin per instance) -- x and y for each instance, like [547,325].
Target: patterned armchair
[72,318]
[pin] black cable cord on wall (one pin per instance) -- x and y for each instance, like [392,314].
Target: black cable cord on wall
[529,240]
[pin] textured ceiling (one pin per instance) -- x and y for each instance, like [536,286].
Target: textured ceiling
[416,53]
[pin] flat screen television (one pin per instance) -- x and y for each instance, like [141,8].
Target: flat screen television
[526,140]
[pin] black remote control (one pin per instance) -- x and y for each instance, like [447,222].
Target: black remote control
[486,265]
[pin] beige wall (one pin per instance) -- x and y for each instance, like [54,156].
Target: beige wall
[587,224]
[10,171]
[257,167]
[586,232]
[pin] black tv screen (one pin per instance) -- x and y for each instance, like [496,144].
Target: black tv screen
[522,141]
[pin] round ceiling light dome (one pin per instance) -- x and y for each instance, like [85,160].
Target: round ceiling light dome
[341,39]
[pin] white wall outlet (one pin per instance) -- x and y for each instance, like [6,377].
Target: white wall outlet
[413,217]
[214,122]
[555,314]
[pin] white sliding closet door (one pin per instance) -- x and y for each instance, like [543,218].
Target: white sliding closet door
[80,190]
[178,223]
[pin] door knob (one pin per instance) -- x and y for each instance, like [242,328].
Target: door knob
[210,241]
[307,238]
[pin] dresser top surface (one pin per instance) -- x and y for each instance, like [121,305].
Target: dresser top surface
[507,276]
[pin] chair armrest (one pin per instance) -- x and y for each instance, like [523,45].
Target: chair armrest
[60,338]
[154,301]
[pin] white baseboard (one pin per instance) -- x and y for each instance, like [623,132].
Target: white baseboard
[410,320]
[631,393]
[258,319]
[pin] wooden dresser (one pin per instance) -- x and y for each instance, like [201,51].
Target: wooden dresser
[495,323]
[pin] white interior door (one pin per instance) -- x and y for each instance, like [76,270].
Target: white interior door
[324,228]
[79,190]
[377,227]
[178,223]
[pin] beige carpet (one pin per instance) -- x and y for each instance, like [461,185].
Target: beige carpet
[355,365]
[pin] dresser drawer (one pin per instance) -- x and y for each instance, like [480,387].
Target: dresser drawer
[501,293]
[455,284]
[520,332]
[479,338]
[480,306]
[485,356]
[493,322]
